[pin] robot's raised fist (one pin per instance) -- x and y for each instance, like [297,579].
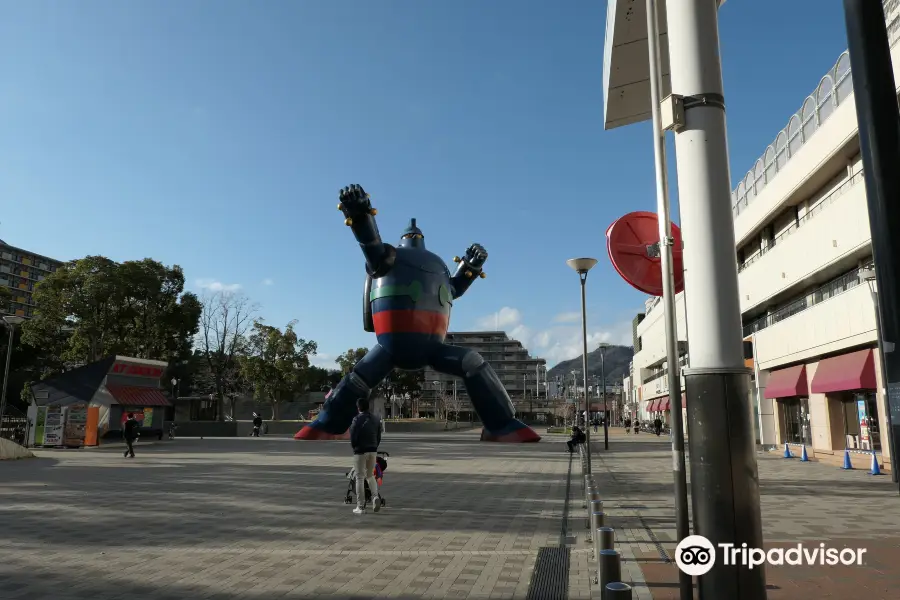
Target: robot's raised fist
[355,203]
[476,256]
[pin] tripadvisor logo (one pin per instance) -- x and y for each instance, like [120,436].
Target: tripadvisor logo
[696,555]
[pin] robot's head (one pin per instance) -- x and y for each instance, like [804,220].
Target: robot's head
[412,237]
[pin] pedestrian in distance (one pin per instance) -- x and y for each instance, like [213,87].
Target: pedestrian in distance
[657,426]
[365,437]
[130,434]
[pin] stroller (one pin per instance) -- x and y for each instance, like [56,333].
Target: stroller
[380,468]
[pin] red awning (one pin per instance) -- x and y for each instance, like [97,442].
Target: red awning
[785,383]
[663,404]
[651,405]
[854,371]
[129,395]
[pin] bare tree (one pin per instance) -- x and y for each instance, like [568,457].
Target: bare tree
[224,323]
[454,403]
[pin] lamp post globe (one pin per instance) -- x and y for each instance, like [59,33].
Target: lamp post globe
[582,266]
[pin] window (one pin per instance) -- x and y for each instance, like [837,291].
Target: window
[795,413]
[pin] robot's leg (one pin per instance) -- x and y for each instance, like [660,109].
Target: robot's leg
[335,417]
[486,391]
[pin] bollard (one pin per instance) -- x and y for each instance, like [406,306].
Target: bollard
[609,568]
[597,521]
[591,493]
[604,539]
[617,591]
[594,506]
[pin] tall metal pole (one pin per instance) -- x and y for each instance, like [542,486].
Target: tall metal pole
[9,351]
[605,403]
[879,139]
[724,474]
[682,518]
[895,477]
[584,368]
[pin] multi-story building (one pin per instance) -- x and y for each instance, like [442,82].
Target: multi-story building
[523,375]
[20,270]
[803,249]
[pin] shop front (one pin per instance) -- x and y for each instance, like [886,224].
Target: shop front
[849,384]
[789,390]
[81,406]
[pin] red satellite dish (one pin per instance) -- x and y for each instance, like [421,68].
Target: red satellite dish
[633,245]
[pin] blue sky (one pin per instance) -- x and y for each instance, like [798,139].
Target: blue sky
[216,135]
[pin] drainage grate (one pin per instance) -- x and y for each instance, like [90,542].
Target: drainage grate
[550,579]
[659,547]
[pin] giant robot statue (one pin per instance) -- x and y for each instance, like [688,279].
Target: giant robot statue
[408,296]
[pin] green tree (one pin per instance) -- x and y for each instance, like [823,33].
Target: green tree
[277,364]
[95,307]
[348,359]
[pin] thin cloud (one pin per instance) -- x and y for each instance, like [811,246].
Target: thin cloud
[214,285]
[268,281]
[567,317]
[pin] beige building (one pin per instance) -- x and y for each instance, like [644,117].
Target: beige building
[523,375]
[20,271]
[802,240]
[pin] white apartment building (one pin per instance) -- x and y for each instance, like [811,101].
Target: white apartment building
[802,235]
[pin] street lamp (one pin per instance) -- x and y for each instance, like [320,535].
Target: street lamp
[603,346]
[868,276]
[582,266]
[10,321]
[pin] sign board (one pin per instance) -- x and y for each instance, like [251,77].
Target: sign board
[53,426]
[121,368]
[632,243]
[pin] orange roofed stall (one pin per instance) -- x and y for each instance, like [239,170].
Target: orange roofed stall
[85,405]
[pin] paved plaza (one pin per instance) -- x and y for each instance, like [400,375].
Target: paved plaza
[264,518]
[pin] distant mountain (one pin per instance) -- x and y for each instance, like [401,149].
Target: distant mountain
[616,360]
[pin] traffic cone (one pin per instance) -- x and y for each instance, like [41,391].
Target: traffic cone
[787,451]
[876,470]
[847,465]
[804,457]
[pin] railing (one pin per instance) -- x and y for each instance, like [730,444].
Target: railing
[833,89]
[837,286]
[812,212]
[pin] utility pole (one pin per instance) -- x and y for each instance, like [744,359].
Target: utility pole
[875,92]
[724,474]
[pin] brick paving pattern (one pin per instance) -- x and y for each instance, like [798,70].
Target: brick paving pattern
[804,503]
[264,518]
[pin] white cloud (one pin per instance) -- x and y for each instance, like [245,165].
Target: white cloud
[217,286]
[554,342]
[567,317]
[268,281]
[325,361]
[501,320]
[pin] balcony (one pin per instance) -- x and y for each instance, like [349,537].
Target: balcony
[835,229]
[844,319]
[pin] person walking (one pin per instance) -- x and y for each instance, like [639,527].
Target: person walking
[130,434]
[657,425]
[365,437]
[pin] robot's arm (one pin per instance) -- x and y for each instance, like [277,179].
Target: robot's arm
[470,267]
[360,218]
